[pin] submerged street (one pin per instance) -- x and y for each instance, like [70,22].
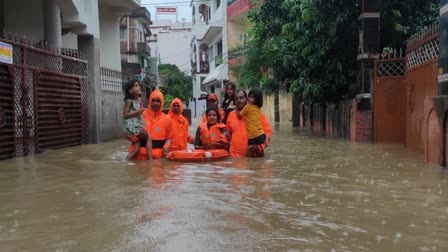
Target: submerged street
[308,194]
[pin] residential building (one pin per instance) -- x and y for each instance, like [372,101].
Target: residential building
[86,27]
[170,42]
[238,26]
[134,48]
[237,29]
[208,49]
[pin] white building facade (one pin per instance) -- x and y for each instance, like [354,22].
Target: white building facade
[208,48]
[92,28]
[170,42]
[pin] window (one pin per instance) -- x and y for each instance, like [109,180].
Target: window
[218,3]
[204,11]
[123,33]
[209,13]
[212,54]
[243,38]
[194,14]
[220,47]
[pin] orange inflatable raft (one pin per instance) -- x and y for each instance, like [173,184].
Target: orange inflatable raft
[197,155]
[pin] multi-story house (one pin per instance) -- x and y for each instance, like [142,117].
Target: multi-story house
[69,90]
[237,29]
[170,42]
[238,26]
[134,48]
[209,48]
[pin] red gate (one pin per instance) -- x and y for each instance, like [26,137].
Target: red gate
[389,100]
[43,100]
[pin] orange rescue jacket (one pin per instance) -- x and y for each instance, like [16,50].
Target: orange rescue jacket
[180,127]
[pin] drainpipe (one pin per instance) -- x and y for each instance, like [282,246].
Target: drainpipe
[443,48]
[129,37]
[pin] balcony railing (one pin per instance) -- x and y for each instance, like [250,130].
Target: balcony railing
[113,80]
[143,48]
[204,67]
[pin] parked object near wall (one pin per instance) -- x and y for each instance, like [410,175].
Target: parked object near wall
[43,100]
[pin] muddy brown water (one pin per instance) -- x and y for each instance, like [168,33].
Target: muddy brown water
[309,194]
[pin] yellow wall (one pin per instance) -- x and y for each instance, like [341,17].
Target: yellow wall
[234,29]
[285,104]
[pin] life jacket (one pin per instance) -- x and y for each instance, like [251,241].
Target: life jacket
[212,135]
[221,112]
[158,125]
[180,126]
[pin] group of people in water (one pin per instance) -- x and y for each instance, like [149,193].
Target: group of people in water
[238,125]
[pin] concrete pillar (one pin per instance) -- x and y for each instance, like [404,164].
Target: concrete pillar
[52,23]
[90,46]
[369,41]
[443,48]
[296,111]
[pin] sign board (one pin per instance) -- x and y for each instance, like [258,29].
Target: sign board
[166,10]
[5,53]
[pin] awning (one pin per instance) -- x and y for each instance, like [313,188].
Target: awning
[218,74]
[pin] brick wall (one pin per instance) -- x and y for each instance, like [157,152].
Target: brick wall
[434,132]
[421,82]
[350,119]
[361,120]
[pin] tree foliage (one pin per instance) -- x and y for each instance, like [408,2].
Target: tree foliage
[175,83]
[310,46]
[401,19]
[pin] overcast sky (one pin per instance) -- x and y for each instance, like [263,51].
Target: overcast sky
[183,9]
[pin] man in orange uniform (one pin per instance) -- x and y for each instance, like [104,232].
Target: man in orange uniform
[158,126]
[180,126]
[237,127]
[212,102]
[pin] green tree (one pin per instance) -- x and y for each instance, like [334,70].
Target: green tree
[401,19]
[302,45]
[175,83]
[310,46]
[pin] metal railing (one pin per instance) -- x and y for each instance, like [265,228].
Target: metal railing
[113,80]
[45,98]
[143,48]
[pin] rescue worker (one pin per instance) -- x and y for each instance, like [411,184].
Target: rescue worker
[237,128]
[212,134]
[180,136]
[158,125]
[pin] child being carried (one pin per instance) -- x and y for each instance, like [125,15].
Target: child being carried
[133,124]
[255,132]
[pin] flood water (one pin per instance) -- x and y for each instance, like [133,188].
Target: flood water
[309,194]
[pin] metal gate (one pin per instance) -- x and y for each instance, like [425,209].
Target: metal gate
[43,100]
[389,100]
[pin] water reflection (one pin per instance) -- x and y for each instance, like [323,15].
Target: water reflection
[308,194]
